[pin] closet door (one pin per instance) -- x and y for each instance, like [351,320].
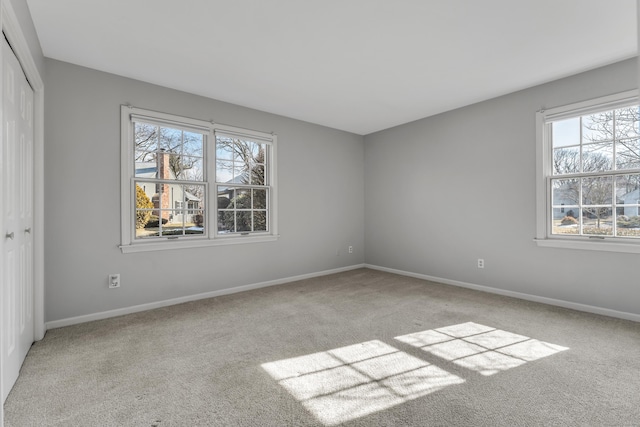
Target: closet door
[17,242]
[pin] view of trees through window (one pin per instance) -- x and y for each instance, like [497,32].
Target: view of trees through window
[169,180]
[241,181]
[194,180]
[596,174]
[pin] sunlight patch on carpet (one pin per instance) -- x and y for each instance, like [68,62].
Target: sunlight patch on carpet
[480,348]
[350,382]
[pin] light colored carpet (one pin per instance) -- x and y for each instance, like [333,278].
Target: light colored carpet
[361,348]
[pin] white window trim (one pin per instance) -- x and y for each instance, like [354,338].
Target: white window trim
[129,244]
[544,238]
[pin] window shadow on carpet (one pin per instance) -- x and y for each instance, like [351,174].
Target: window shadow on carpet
[350,382]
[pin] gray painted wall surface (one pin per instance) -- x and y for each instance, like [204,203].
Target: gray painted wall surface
[21,10]
[321,199]
[446,190]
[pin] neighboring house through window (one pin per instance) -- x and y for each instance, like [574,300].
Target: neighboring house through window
[589,175]
[188,182]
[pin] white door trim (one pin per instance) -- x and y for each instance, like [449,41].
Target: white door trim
[11,28]
[2,225]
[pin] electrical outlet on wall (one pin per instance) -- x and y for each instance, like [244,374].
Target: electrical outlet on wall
[480,263]
[114,281]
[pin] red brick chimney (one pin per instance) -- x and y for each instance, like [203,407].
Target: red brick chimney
[164,172]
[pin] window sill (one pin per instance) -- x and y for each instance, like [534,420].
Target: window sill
[589,245]
[186,244]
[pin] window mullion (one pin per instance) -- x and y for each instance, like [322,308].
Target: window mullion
[581,147]
[581,207]
[596,174]
[614,165]
[168,181]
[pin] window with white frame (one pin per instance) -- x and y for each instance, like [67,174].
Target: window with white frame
[589,173]
[241,183]
[188,182]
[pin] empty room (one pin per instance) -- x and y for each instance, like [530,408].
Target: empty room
[304,213]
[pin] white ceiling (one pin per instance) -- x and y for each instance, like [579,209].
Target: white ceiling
[355,65]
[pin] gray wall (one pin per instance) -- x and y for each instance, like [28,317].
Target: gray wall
[435,195]
[321,199]
[446,190]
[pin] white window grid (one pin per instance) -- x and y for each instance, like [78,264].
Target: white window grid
[210,237]
[545,177]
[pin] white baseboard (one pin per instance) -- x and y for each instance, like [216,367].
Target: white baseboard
[150,306]
[528,297]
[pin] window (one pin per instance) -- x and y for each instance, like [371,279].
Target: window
[241,184]
[589,175]
[188,182]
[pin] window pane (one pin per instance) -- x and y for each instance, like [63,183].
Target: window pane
[597,157]
[193,143]
[241,210]
[230,172]
[146,232]
[145,156]
[566,132]
[243,199]
[628,153]
[145,194]
[241,171]
[255,148]
[169,166]
[226,197]
[173,166]
[164,201]
[187,219]
[259,199]
[149,208]
[224,148]
[177,210]
[566,160]
[225,194]
[194,205]
[144,207]
[226,222]
[145,165]
[597,127]
[629,225]
[597,221]
[192,168]
[257,175]
[175,225]
[149,231]
[260,221]
[224,171]
[176,155]
[627,122]
[565,191]
[243,149]
[243,221]
[170,140]
[597,191]
[145,137]
[628,195]
[240,174]
[194,230]
[566,221]
[232,199]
